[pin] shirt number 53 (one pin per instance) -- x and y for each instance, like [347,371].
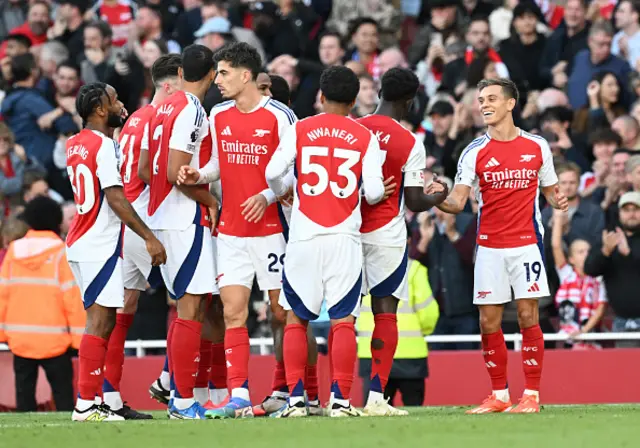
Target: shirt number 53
[347,158]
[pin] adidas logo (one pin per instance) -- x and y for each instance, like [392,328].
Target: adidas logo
[490,364]
[531,362]
[229,364]
[95,372]
[534,288]
[226,131]
[492,163]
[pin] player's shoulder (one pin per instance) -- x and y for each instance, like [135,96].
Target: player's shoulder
[475,146]
[221,107]
[538,140]
[280,111]
[140,117]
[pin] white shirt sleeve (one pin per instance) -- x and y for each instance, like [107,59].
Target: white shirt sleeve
[108,164]
[189,129]
[285,120]
[564,272]
[547,173]
[282,162]
[466,174]
[416,163]
[144,143]
[372,180]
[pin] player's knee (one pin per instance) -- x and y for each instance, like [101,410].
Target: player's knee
[384,305]
[101,321]
[489,324]
[190,308]
[527,317]
[130,301]
[278,314]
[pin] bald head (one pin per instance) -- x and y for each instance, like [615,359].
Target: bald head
[551,98]
[628,129]
[391,57]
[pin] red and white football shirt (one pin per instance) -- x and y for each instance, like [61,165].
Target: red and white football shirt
[404,158]
[244,144]
[133,132]
[506,177]
[93,164]
[331,155]
[120,17]
[179,123]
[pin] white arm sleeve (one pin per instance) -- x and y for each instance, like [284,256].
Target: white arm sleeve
[466,174]
[144,143]
[372,183]
[416,163]
[189,129]
[281,162]
[547,173]
[108,161]
[211,171]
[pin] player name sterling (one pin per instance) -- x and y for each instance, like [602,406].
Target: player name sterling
[243,153]
[79,150]
[513,179]
[334,133]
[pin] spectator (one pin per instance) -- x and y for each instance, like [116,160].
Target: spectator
[538,102]
[595,59]
[604,142]
[169,10]
[67,83]
[387,18]
[581,300]
[367,98]
[69,212]
[35,123]
[364,38]
[632,170]
[446,247]
[99,58]
[438,141]
[119,15]
[616,184]
[626,42]
[14,162]
[149,27]
[617,260]
[526,40]
[476,8]
[628,129]
[68,27]
[215,33]
[564,43]
[36,185]
[604,104]
[52,54]
[295,31]
[17,44]
[35,275]
[190,19]
[12,14]
[37,23]
[555,123]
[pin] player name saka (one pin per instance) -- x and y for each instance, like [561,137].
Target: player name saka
[510,178]
[334,133]
[79,150]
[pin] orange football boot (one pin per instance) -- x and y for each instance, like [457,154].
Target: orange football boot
[490,405]
[210,405]
[528,404]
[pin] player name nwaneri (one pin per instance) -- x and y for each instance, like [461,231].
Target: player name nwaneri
[333,133]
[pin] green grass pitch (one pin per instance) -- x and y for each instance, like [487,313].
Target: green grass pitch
[599,426]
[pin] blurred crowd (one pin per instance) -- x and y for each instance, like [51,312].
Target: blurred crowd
[575,62]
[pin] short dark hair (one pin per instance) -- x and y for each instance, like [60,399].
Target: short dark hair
[399,84]
[339,84]
[197,62]
[166,66]
[43,213]
[605,135]
[42,3]
[509,88]
[22,39]
[30,178]
[557,113]
[240,54]
[89,98]
[69,64]
[477,18]
[624,151]
[332,33]
[280,89]
[355,24]
[22,66]
[102,26]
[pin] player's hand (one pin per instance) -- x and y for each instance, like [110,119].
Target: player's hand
[439,187]
[287,198]
[157,251]
[187,175]
[389,187]
[254,208]
[623,243]
[213,218]
[562,203]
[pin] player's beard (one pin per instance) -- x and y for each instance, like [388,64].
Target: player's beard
[115,121]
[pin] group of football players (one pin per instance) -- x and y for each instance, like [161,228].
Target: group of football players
[280,186]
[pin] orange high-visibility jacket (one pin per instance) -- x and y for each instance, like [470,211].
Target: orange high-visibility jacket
[41,312]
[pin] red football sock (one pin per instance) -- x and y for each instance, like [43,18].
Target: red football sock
[236,345]
[93,350]
[295,357]
[344,353]
[169,339]
[494,351]
[114,359]
[311,381]
[329,345]
[185,349]
[383,346]
[204,367]
[218,374]
[532,356]
[279,383]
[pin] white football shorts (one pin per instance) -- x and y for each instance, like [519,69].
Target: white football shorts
[240,259]
[497,271]
[100,281]
[136,263]
[385,271]
[190,266]
[327,267]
